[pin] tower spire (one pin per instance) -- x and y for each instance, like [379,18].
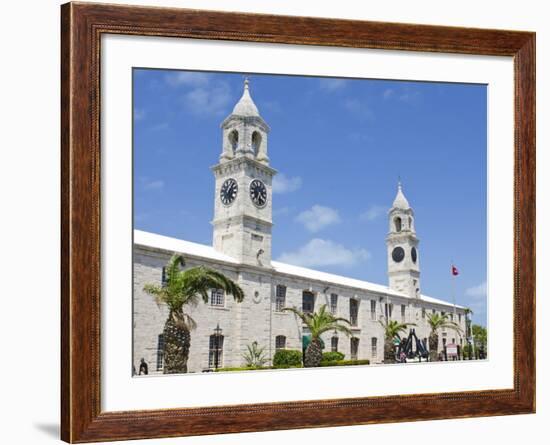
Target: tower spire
[402,245]
[246,106]
[400,202]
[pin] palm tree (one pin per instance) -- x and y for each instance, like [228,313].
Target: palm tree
[468,322]
[181,289]
[439,321]
[318,323]
[392,329]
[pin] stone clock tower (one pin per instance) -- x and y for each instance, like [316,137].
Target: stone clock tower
[242,202]
[402,244]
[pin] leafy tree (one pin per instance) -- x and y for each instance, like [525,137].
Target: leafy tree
[467,352]
[255,356]
[318,323]
[184,288]
[392,329]
[437,322]
[480,339]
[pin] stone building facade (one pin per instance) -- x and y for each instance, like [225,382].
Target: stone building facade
[241,250]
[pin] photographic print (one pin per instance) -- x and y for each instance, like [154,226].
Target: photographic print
[285,201]
[291,221]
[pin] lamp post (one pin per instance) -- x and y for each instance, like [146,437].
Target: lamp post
[217,335]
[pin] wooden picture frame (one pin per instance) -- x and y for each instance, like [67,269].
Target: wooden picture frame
[82,26]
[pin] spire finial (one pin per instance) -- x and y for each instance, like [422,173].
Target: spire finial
[400,200]
[246,106]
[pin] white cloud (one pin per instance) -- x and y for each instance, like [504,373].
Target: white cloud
[389,92]
[204,95]
[372,213]
[283,184]
[477,291]
[405,94]
[319,252]
[280,211]
[318,217]
[332,84]
[359,108]
[476,298]
[153,185]
[210,100]
[186,78]
[409,96]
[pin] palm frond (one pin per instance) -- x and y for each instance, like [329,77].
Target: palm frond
[335,327]
[303,316]
[393,328]
[200,279]
[158,292]
[438,321]
[172,269]
[185,287]
[321,321]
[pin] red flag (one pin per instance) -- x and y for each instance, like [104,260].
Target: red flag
[454,270]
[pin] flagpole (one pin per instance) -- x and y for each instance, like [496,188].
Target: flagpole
[453,287]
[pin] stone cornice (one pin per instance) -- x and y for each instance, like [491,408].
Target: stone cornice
[238,163]
[247,120]
[241,219]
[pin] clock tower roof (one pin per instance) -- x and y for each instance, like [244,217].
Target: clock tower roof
[400,202]
[246,106]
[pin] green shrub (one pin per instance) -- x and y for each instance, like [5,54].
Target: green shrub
[241,368]
[286,366]
[287,358]
[345,363]
[332,356]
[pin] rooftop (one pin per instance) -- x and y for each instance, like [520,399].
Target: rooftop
[400,202]
[246,106]
[166,243]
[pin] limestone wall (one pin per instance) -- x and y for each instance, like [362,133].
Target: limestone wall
[255,319]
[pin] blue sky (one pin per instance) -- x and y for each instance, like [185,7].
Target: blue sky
[339,146]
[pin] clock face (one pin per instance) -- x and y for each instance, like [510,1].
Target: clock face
[413,254]
[228,192]
[398,254]
[258,193]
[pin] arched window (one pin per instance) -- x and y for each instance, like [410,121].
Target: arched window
[353,311]
[234,140]
[308,302]
[280,342]
[256,142]
[374,346]
[280,297]
[410,223]
[334,344]
[398,224]
[333,303]
[354,347]
[217,297]
[215,351]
